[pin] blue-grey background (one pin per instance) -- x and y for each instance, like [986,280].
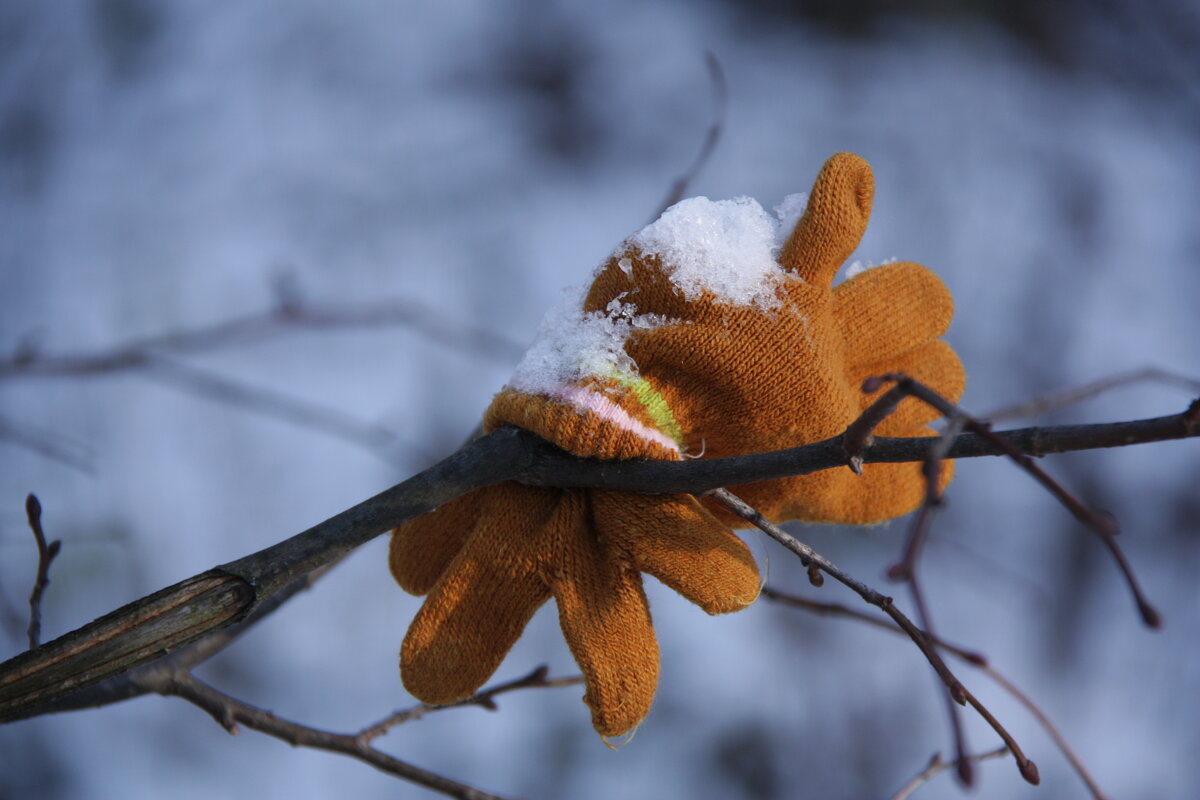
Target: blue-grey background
[165,166]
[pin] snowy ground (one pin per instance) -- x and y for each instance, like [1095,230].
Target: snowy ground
[161,167]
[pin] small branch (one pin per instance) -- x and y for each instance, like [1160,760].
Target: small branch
[919,532]
[46,554]
[906,570]
[1058,400]
[150,356]
[936,765]
[923,642]
[1103,524]
[858,436]
[290,315]
[720,99]
[383,441]
[485,698]
[49,444]
[972,657]
[230,712]
[808,557]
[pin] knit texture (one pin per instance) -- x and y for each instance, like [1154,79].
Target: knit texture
[720,379]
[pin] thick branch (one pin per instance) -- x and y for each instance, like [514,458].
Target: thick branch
[178,615]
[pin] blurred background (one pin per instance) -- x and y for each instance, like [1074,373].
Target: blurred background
[438,172]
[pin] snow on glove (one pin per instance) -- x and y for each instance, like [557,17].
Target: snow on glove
[710,332]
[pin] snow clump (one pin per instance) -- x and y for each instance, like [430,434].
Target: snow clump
[728,247]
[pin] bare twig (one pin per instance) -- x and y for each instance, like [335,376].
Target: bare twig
[289,316]
[485,698]
[906,570]
[1061,399]
[1103,524]
[919,637]
[230,712]
[46,554]
[809,556]
[858,437]
[919,532]
[181,614]
[859,434]
[972,657]
[720,99]
[149,356]
[936,765]
[383,441]
[49,444]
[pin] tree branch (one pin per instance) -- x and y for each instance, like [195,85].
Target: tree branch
[971,657]
[924,642]
[289,315]
[484,698]
[183,613]
[230,712]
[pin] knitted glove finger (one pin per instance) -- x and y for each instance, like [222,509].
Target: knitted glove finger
[934,364]
[422,548]
[674,539]
[833,222]
[889,310]
[479,606]
[606,622]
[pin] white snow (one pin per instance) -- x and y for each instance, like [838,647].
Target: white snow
[571,344]
[727,247]
[857,267]
[788,212]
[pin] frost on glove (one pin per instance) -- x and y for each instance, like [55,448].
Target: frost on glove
[712,332]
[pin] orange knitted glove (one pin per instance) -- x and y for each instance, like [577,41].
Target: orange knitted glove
[703,334]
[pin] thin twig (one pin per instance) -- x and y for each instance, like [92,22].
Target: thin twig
[859,434]
[924,643]
[936,765]
[906,570]
[49,444]
[381,440]
[46,554]
[1061,399]
[149,355]
[485,698]
[1103,524]
[972,657]
[289,316]
[809,556]
[720,99]
[230,712]
[919,532]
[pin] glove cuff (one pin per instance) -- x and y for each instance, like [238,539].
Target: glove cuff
[613,418]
